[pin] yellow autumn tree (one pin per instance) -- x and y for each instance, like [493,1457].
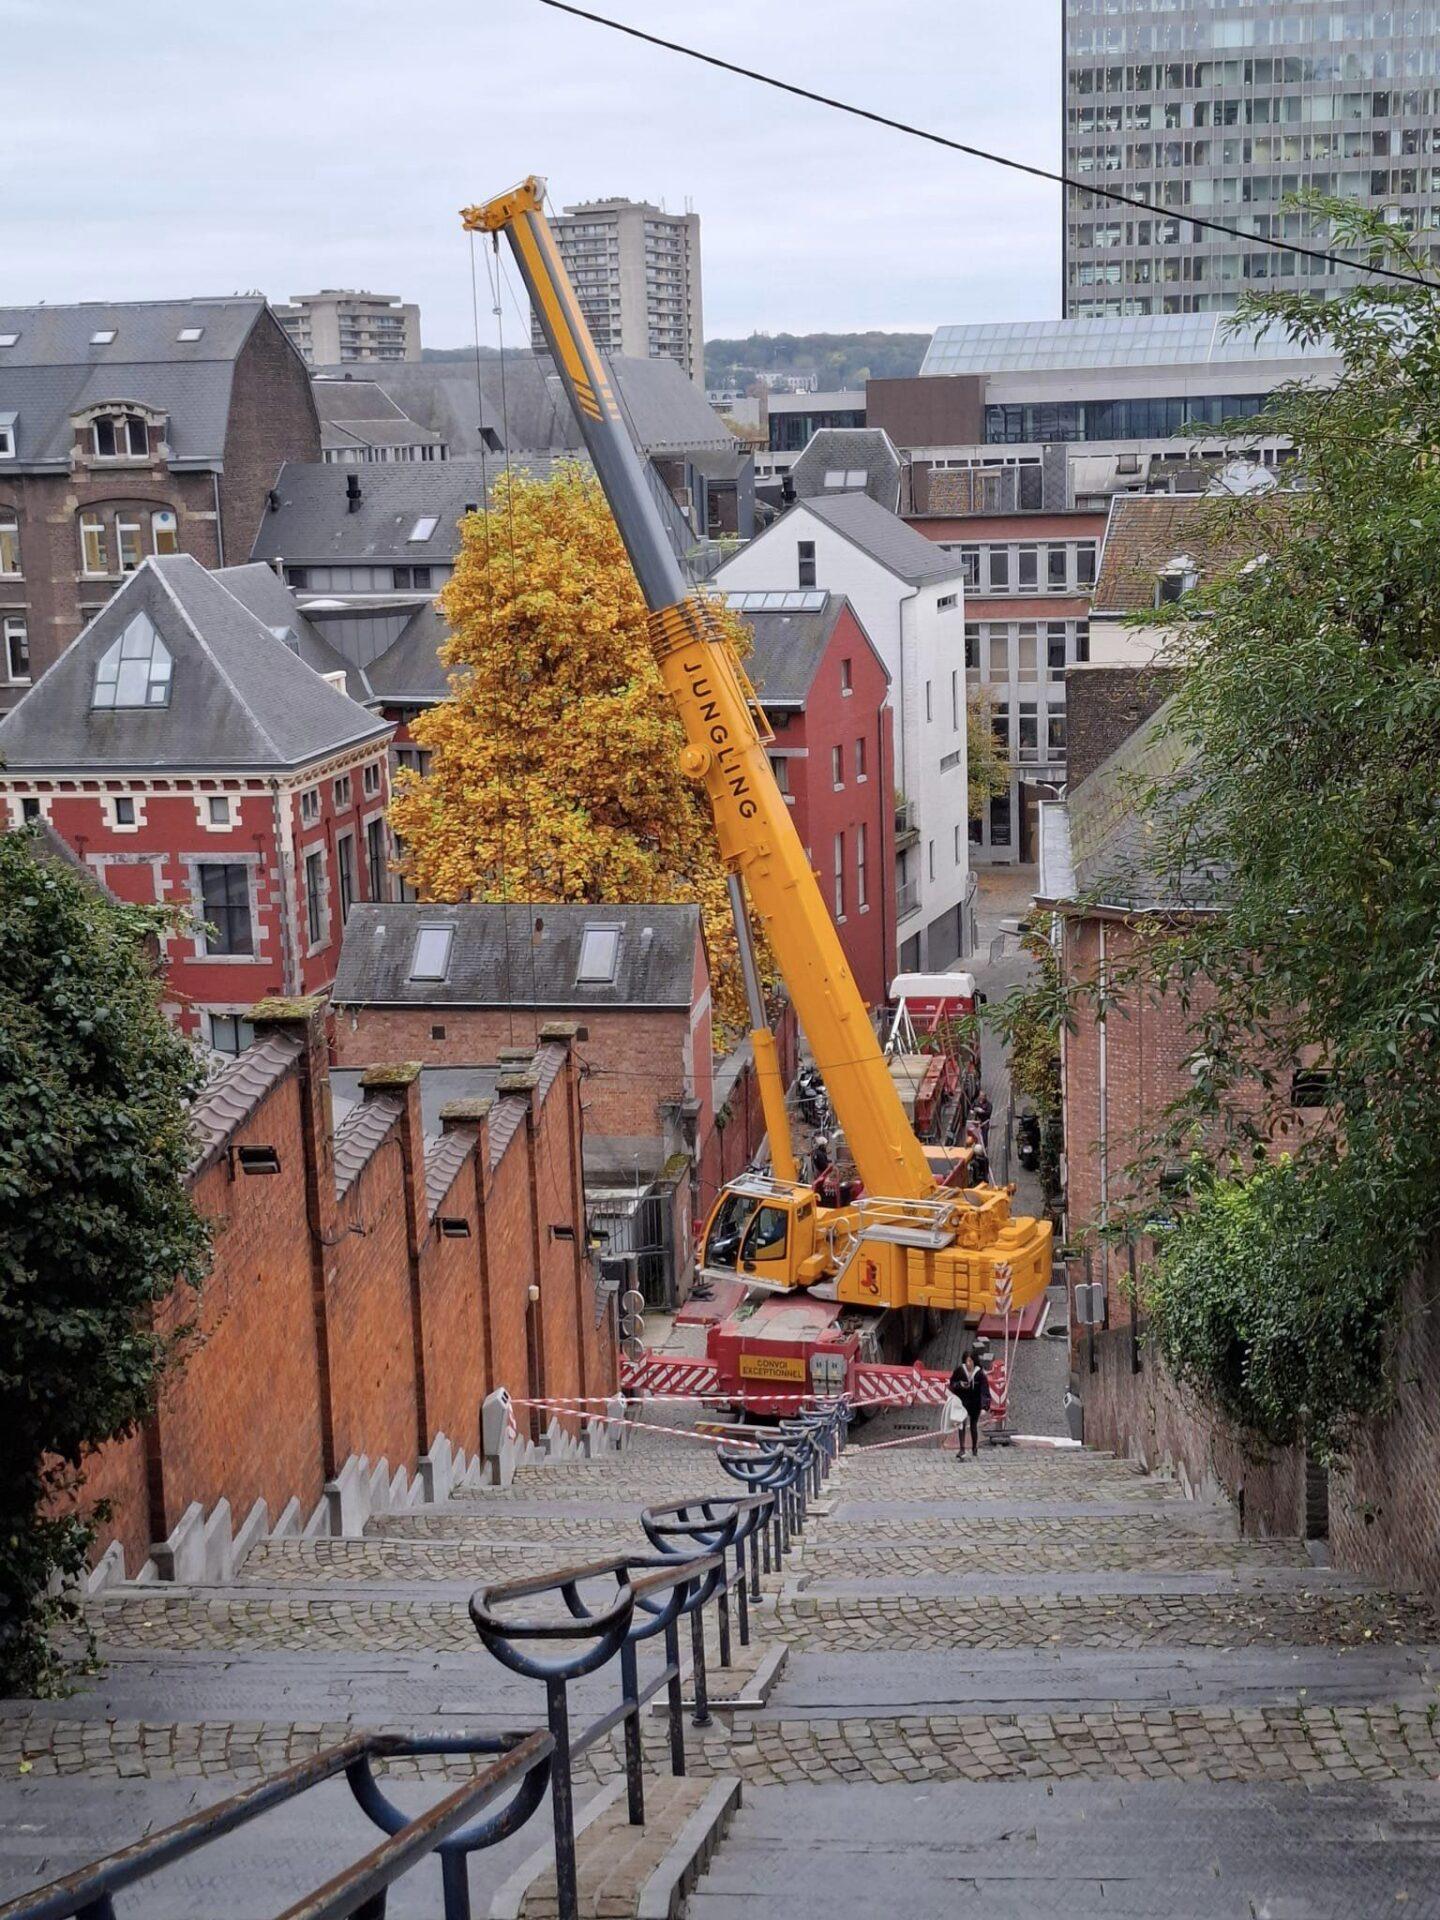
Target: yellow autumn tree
[554,772]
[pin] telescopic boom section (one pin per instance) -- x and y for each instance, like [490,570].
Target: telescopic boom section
[724,750]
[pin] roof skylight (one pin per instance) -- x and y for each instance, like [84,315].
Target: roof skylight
[102,336]
[599,953]
[8,339]
[188,334]
[431,958]
[135,670]
[424,527]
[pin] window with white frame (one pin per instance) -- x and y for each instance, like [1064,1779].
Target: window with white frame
[376,860]
[135,670]
[947,603]
[955,700]
[124,807]
[805,563]
[309,806]
[219,809]
[10,546]
[127,543]
[8,419]
[1027,739]
[17,649]
[840,876]
[970,566]
[599,954]
[780,767]
[861,772]
[370,778]
[1055,649]
[862,882]
[94,553]
[999,566]
[1085,563]
[1027,569]
[1055,733]
[342,791]
[164,531]
[837,766]
[1057,569]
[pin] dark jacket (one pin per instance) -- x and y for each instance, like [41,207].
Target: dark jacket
[974,1393]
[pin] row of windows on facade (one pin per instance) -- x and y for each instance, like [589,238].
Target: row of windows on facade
[1127,115]
[1158,417]
[121,533]
[859,760]
[1216,269]
[1264,150]
[366,579]
[361,456]
[1264,27]
[1025,649]
[1168,233]
[1056,566]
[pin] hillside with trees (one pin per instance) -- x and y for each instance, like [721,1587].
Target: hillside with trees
[836,359]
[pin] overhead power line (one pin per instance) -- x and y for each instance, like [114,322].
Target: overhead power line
[983,153]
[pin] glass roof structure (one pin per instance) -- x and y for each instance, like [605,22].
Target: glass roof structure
[777,600]
[1129,340]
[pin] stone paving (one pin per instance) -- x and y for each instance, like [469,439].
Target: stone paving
[1039,1620]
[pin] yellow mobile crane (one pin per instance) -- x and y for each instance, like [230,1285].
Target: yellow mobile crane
[909,1241]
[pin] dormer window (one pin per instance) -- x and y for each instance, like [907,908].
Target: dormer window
[120,436]
[135,670]
[1175,579]
[7,435]
[599,955]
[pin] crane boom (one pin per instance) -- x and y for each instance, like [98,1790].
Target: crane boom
[724,750]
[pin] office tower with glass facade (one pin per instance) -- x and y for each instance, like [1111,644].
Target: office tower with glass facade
[1223,108]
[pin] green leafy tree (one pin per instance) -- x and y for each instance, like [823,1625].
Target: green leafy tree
[96,1222]
[1304,783]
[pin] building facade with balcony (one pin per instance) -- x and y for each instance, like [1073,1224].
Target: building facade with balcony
[909,596]
[192,759]
[341,325]
[148,427]
[826,694]
[636,273]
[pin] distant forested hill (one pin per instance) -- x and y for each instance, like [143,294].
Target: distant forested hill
[836,359]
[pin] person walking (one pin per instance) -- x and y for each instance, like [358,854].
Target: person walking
[981,1112]
[970,1385]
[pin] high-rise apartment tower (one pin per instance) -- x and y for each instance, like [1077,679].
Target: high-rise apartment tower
[637,274]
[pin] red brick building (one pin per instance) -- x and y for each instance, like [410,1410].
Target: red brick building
[371,1285]
[192,759]
[827,695]
[448,985]
[149,427]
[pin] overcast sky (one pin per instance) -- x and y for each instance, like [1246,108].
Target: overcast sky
[154,148]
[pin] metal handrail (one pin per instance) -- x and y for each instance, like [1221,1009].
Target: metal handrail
[713,1525]
[654,1591]
[525,1760]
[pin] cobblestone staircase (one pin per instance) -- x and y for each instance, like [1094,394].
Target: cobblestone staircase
[1033,1682]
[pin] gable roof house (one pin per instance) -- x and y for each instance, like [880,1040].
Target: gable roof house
[908,594]
[144,427]
[192,758]
[455,986]
[849,460]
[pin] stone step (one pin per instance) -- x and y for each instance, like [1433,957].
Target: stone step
[898,1561]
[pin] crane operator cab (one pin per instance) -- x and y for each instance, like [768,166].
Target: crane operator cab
[763,1231]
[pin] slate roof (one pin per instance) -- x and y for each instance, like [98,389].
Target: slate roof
[498,959]
[1104,856]
[262,592]
[667,412]
[790,641]
[885,537]
[240,699]
[1146,531]
[312,523]
[410,672]
[833,456]
[359,413]
[53,371]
